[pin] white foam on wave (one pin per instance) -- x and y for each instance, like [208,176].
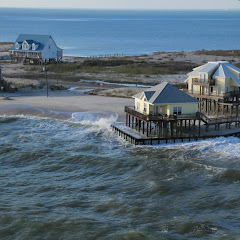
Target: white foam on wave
[228,146]
[97,118]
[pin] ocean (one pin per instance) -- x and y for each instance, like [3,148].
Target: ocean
[111,32]
[67,176]
[71,178]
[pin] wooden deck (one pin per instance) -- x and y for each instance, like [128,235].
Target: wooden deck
[136,138]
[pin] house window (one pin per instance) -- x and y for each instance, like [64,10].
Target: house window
[211,89]
[219,89]
[145,107]
[177,110]
[33,47]
[159,109]
[25,46]
[226,89]
[16,45]
[138,106]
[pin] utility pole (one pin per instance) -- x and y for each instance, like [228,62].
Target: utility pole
[57,67]
[45,70]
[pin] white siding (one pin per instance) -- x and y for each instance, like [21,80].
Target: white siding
[50,50]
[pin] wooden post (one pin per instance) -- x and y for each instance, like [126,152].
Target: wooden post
[171,128]
[199,127]
[159,128]
[147,129]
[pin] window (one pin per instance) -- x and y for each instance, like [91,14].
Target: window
[203,76]
[161,109]
[226,90]
[145,107]
[33,46]
[16,45]
[177,110]
[219,89]
[138,106]
[25,46]
[211,89]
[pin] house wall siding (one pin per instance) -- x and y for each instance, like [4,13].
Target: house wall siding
[187,108]
[49,53]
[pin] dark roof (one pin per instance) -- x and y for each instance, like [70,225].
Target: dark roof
[166,93]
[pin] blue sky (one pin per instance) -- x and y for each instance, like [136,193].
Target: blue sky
[124,4]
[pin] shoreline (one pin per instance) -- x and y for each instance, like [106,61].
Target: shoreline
[32,77]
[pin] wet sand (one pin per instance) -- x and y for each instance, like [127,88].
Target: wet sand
[62,101]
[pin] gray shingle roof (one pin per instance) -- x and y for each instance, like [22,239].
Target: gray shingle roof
[166,93]
[32,38]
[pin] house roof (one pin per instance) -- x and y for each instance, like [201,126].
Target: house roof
[166,93]
[218,69]
[32,38]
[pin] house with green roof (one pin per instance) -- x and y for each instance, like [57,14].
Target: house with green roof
[35,49]
[165,99]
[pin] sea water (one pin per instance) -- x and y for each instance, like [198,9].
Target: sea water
[73,178]
[104,32]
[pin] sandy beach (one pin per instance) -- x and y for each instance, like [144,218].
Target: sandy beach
[113,94]
[64,101]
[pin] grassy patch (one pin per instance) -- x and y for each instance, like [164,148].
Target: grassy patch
[88,66]
[154,69]
[224,53]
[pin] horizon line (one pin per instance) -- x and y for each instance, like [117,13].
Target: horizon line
[129,9]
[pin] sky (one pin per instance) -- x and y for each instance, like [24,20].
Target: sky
[124,4]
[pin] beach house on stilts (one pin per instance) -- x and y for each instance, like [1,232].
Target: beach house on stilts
[165,114]
[163,111]
[217,86]
[35,49]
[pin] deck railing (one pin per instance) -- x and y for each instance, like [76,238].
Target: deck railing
[150,117]
[200,81]
[215,94]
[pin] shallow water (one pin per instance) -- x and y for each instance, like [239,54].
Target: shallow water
[75,179]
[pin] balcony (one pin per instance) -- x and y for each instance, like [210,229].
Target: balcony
[213,94]
[203,82]
[146,117]
[22,54]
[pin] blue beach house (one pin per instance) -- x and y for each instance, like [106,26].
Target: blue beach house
[35,49]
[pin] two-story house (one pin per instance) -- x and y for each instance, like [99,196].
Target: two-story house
[35,49]
[217,86]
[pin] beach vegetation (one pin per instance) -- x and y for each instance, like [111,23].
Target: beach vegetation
[154,69]
[224,53]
